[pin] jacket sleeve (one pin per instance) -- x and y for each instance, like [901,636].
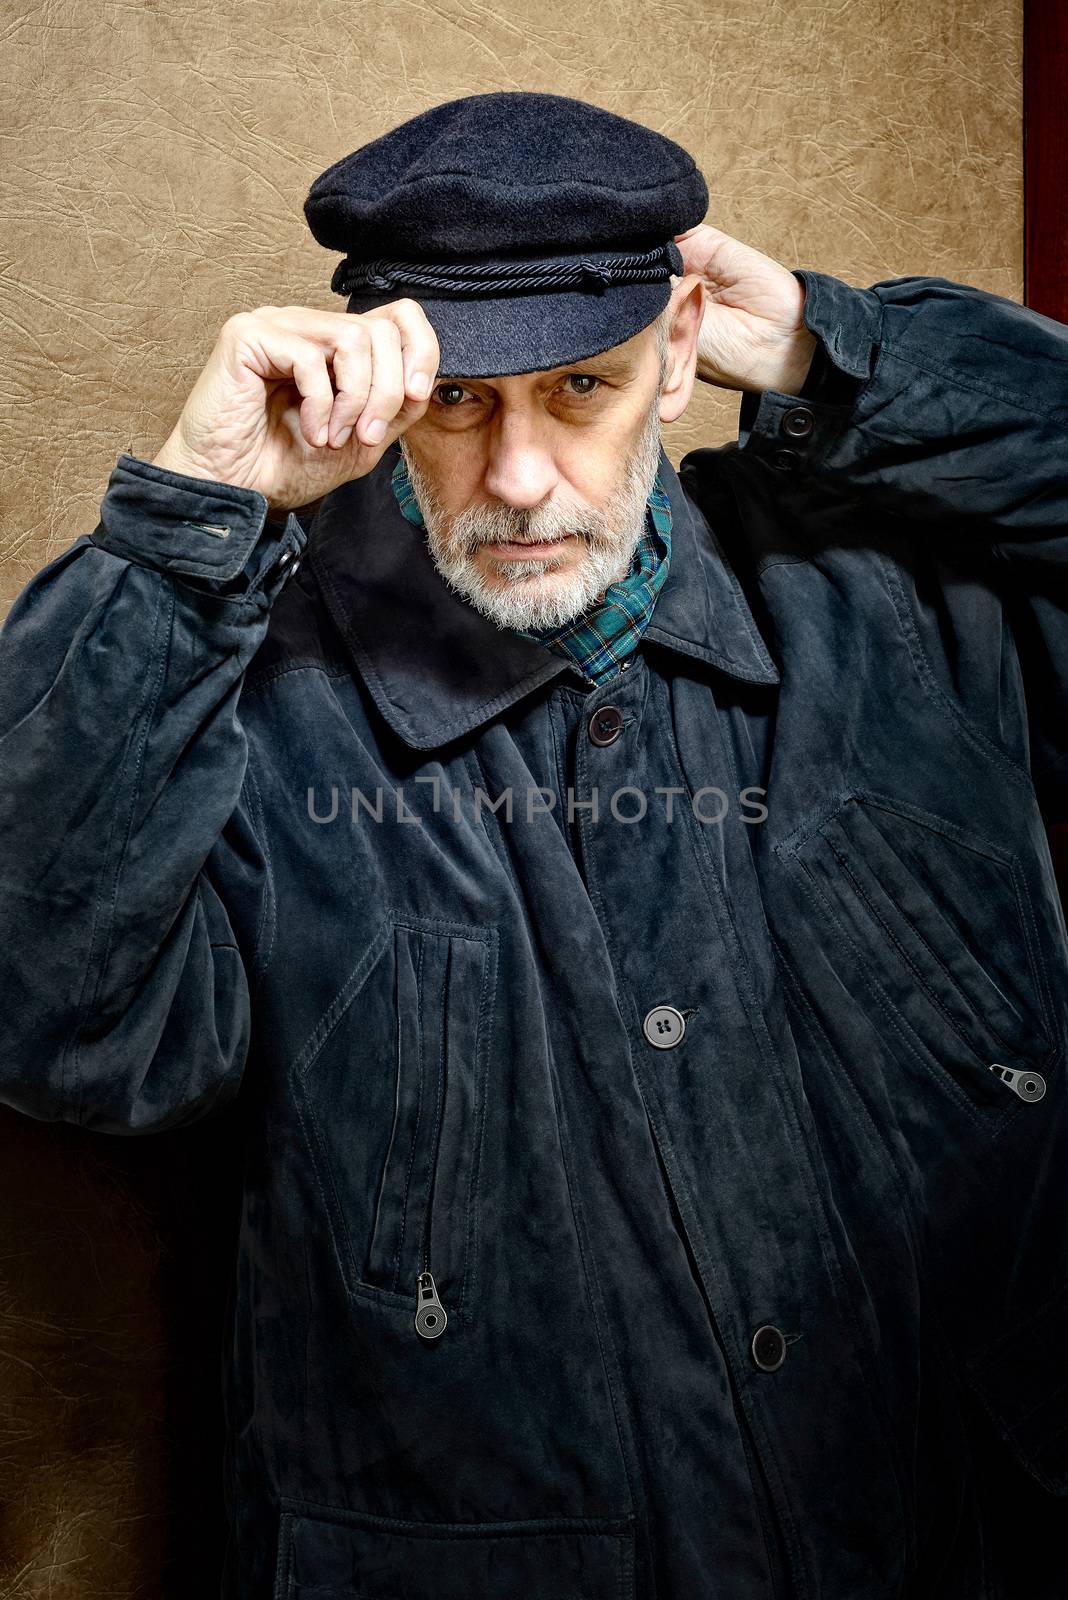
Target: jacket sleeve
[132,880]
[944,407]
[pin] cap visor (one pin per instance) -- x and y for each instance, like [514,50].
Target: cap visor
[497,335]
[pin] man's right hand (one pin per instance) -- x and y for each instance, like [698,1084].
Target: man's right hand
[289,398]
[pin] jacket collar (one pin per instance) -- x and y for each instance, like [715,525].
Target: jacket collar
[436,668]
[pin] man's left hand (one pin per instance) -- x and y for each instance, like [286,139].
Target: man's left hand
[752,335]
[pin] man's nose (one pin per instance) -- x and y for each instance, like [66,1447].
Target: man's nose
[520,470]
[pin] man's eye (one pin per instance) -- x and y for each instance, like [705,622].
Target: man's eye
[451,395]
[583,377]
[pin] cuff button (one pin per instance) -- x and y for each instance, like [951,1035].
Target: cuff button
[798,422]
[785,460]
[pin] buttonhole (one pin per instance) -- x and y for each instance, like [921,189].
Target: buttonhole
[221,532]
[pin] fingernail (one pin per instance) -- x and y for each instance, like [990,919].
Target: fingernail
[320,437]
[376,431]
[343,433]
[420,386]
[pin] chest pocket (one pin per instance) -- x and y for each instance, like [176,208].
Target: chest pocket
[932,929]
[391,1093]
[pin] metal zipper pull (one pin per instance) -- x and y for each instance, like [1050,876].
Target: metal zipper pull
[430,1314]
[1028,1085]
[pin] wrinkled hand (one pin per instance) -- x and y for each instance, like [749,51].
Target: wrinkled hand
[289,399]
[752,335]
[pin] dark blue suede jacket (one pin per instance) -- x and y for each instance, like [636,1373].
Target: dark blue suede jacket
[656,1177]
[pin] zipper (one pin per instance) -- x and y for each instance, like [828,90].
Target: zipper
[430,1315]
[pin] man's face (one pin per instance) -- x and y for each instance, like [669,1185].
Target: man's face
[533,488]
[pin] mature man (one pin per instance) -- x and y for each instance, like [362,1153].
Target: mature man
[622,896]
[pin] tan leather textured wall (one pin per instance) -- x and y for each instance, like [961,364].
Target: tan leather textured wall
[156,161]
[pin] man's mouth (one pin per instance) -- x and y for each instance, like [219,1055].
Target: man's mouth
[517,548]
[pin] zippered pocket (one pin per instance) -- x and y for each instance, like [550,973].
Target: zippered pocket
[391,1094]
[933,929]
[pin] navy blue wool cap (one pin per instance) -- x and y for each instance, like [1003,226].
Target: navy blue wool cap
[534,229]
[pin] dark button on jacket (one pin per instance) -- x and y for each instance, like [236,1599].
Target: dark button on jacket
[769,1348]
[606,725]
[780,1311]
[798,422]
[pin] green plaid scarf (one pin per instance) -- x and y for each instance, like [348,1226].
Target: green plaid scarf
[599,641]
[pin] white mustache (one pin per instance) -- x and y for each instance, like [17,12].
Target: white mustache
[473,537]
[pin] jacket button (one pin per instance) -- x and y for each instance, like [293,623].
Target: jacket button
[784,459]
[769,1348]
[798,422]
[664,1027]
[606,725]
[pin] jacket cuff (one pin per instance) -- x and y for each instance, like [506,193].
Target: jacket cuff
[792,432]
[196,528]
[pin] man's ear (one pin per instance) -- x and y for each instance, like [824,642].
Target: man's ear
[685,311]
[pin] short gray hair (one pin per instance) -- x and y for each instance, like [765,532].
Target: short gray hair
[662,335]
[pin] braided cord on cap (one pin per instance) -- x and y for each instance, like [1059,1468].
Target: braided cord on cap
[476,278]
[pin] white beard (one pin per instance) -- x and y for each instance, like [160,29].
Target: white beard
[525,594]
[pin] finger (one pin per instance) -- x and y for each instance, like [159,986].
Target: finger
[419,344]
[352,364]
[310,374]
[386,395]
[330,329]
